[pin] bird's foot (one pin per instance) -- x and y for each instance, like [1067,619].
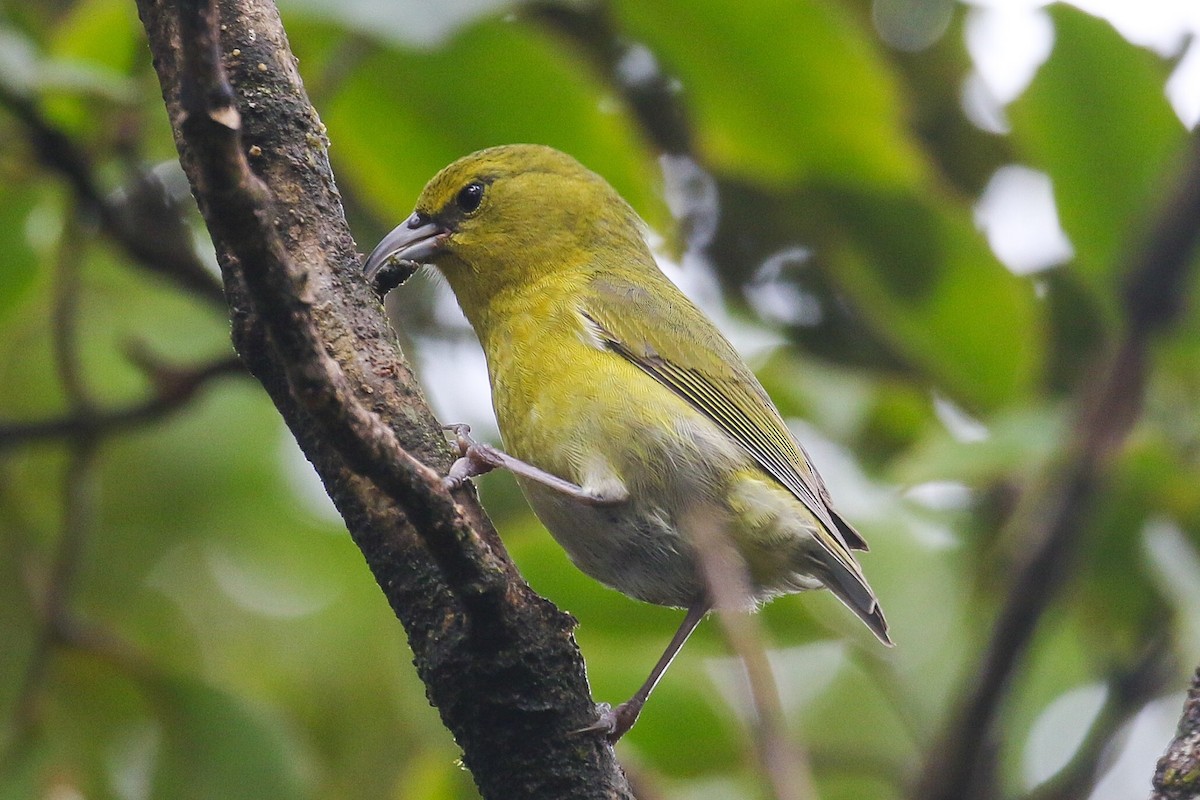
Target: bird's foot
[476,459]
[473,458]
[613,723]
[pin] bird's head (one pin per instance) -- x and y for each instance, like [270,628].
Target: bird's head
[506,218]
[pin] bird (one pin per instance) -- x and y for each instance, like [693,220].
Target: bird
[634,429]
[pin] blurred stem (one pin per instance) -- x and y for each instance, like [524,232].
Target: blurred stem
[159,244]
[78,503]
[783,763]
[1053,513]
[64,318]
[78,500]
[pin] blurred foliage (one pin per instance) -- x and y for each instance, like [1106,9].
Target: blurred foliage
[220,636]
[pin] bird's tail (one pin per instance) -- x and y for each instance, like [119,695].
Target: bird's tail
[849,586]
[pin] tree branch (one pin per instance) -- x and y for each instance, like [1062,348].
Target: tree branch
[1178,774]
[498,661]
[1052,515]
[174,388]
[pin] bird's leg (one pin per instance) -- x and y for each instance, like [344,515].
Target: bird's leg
[476,458]
[614,722]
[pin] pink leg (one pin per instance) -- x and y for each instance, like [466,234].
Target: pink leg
[477,459]
[615,722]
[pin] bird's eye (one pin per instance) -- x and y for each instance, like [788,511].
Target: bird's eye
[470,196]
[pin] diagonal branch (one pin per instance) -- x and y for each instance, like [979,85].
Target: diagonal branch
[242,211]
[1056,510]
[498,661]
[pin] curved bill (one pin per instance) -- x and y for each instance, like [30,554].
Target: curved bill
[412,243]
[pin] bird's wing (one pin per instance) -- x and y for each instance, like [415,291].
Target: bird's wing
[696,363]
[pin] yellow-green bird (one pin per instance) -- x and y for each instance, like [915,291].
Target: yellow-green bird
[635,431]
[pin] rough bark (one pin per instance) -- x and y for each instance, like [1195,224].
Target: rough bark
[498,661]
[1178,774]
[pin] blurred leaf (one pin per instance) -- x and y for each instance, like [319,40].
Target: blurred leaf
[511,84]
[856,787]
[408,23]
[1061,658]
[89,55]
[1096,119]
[20,262]
[18,61]
[1018,441]
[966,155]
[216,748]
[836,714]
[925,281]
[798,90]
[101,33]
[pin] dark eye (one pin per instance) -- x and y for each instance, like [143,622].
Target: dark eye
[470,196]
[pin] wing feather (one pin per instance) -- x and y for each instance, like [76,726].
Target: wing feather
[703,369]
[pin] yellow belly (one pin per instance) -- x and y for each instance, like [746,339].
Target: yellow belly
[606,425]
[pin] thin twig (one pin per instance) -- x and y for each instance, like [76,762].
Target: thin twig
[783,763]
[174,389]
[168,256]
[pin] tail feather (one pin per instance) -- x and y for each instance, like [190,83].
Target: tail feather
[853,590]
[854,539]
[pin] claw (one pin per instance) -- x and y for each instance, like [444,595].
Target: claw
[462,435]
[613,723]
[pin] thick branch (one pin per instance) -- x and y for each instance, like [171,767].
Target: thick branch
[242,211]
[1178,774]
[1056,510]
[498,661]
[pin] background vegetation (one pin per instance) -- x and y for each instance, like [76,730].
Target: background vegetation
[183,615]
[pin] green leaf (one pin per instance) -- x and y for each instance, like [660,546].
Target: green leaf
[1097,121]
[1019,440]
[215,747]
[20,262]
[103,33]
[495,83]
[919,272]
[782,89]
